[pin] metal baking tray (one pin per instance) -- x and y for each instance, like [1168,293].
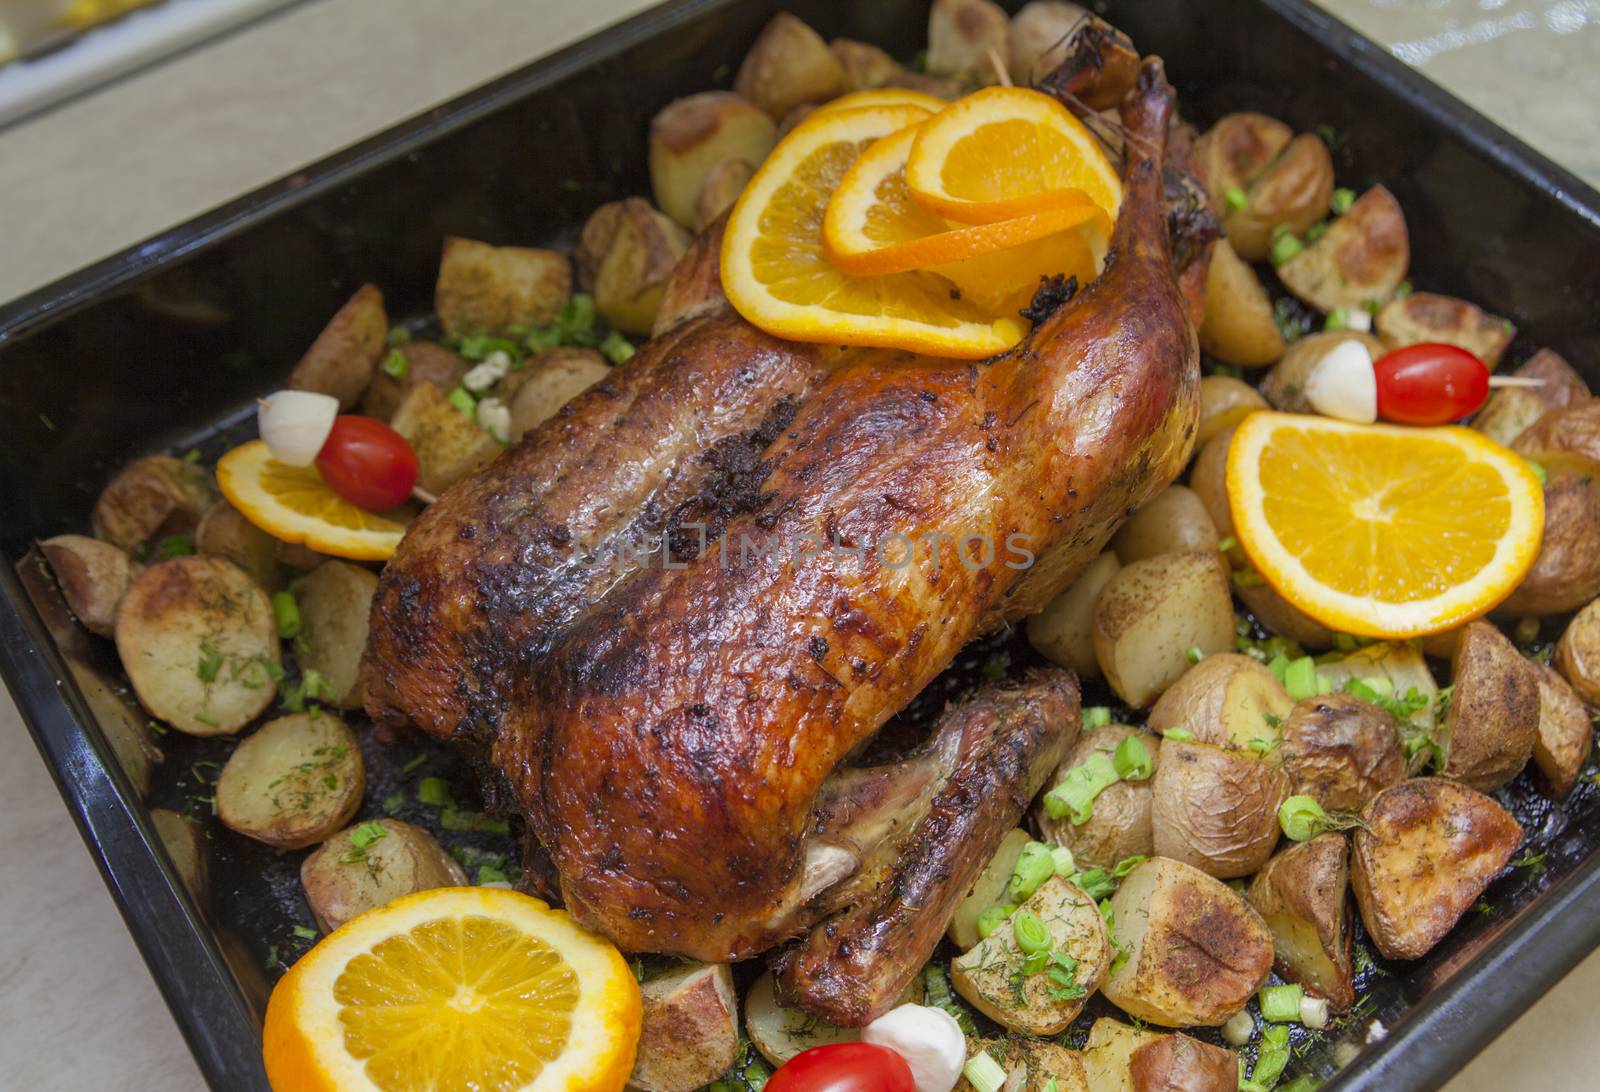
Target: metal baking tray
[163,347]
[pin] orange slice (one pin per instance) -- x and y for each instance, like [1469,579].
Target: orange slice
[872,226]
[455,988]
[293,504]
[883,96]
[777,276]
[1382,530]
[1005,152]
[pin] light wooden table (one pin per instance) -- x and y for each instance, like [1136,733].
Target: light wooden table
[77,1008]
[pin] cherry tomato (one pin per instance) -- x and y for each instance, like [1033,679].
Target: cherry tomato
[367,463]
[1429,384]
[844,1067]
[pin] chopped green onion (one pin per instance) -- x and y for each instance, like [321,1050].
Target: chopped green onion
[1030,933]
[1193,654]
[1235,197]
[433,791]
[1034,866]
[1338,319]
[1096,716]
[412,766]
[1286,246]
[1127,865]
[542,338]
[1315,231]
[1132,760]
[616,347]
[1403,290]
[1271,1057]
[575,321]
[1096,883]
[368,833]
[1342,200]
[394,802]
[491,874]
[1178,735]
[174,546]
[1280,1004]
[1061,857]
[461,400]
[1279,666]
[1075,794]
[1300,678]
[395,365]
[306,934]
[989,921]
[1246,578]
[481,347]
[1229,543]
[454,818]
[1301,817]
[209,664]
[1538,471]
[287,613]
[984,1073]
[399,335]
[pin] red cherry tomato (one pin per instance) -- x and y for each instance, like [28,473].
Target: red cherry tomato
[1430,384]
[844,1067]
[367,463]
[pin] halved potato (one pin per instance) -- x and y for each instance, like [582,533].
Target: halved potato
[1224,402]
[1030,1066]
[1108,1053]
[1398,664]
[93,576]
[1173,521]
[1494,709]
[1510,410]
[962,35]
[1215,809]
[1300,895]
[1234,151]
[1152,612]
[692,135]
[224,532]
[1566,438]
[987,890]
[1196,949]
[1341,751]
[722,186]
[864,65]
[1063,632]
[1360,259]
[992,978]
[448,443]
[1290,195]
[1425,852]
[1566,731]
[1177,1063]
[154,496]
[1119,823]
[1578,653]
[1428,316]
[484,289]
[292,782]
[199,642]
[343,358]
[1227,700]
[185,843]
[691,1029]
[1039,33]
[426,362]
[780,1033]
[348,876]
[788,65]
[1566,574]
[127,732]
[632,269]
[1285,384]
[549,381]
[335,599]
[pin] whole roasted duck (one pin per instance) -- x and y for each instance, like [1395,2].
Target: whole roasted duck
[668,620]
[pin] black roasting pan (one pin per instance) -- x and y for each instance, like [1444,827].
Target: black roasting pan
[163,346]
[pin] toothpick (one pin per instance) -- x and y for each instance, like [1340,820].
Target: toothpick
[422,496]
[1514,381]
[999,67]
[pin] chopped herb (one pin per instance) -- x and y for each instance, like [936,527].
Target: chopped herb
[1127,865]
[399,335]
[1285,247]
[1075,794]
[1403,290]
[1301,818]
[937,994]
[433,791]
[1194,654]
[413,765]
[461,400]
[984,1073]
[45,420]
[1132,760]
[1096,883]
[395,365]
[158,728]
[174,546]
[1178,735]
[1338,319]
[210,663]
[306,934]
[1031,934]
[616,347]
[1343,198]
[1236,198]
[1538,471]
[1315,231]
[1229,543]
[453,818]
[286,611]
[576,319]
[481,347]
[1034,866]
[394,802]
[1533,862]
[995,665]
[363,838]
[491,874]
[1096,716]
[990,920]
[1280,1004]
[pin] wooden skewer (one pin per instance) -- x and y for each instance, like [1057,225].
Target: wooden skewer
[422,495]
[1515,381]
[999,67]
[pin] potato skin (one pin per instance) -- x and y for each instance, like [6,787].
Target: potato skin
[1427,850]
[1567,437]
[1151,612]
[1235,150]
[1227,700]
[632,272]
[404,861]
[343,358]
[93,576]
[335,599]
[1215,810]
[1430,317]
[1511,410]
[1341,751]
[1494,709]
[547,382]
[865,65]
[960,35]
[1177,1063]
[690,136]
[1119,824]
[1362,256]
[722,186]
[293,781]
[690,1033]
[788,65]
[1063,631]
[1038,38]
[153,496]
[224,532]
[1173,521]
[1291,194]
[1300,894]
[1566,574]
[426,362]
[1578,653]
[1224,402]
[484,289]
[1285,384]
[1566,732]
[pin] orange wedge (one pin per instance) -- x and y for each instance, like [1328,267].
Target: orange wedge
[455,988]
[884,96]
[294,505]
[777,275]
[1006,152]
[1383,530]
[872,226]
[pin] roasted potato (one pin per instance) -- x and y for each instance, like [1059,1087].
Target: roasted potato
[1030,1066]
[1171,522]
[1285,384]
[987,890]
[964,36]
[485,289]
[1578,653]
[548,382]
[199,642]
[1237,149]
[1361,258]
[1427,316]
[632,250]
[1119,824]
[1227,700]
[343,358]
[335,599]
[1215,809]
[1494,709]
[1152,612]
[154,496]
[1224,402]
[93,575]
[722,186]
[1340,751]
[1280,616]
[788,65]
[1566,731]
[1399,665]
[352,873]
[1565,439]
[1300,895]
[1108,1054]
[1424,853]
[864,65]
[692,135]
[125,729]
[1566,574]
[426,362]
[1063,632]
[780,1033]
[1238,326]
[991,977]
[1196,950]
[292,782]
[1510,410]
[1290,195]
[1039,33]
[691,1029]
[448,443]
[224,532]
[1177,1063]
[185,844]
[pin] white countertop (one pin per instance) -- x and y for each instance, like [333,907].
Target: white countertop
[78,1010]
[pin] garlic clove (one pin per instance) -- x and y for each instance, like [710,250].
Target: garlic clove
[295,424]
[1343,385]
[929,1039]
